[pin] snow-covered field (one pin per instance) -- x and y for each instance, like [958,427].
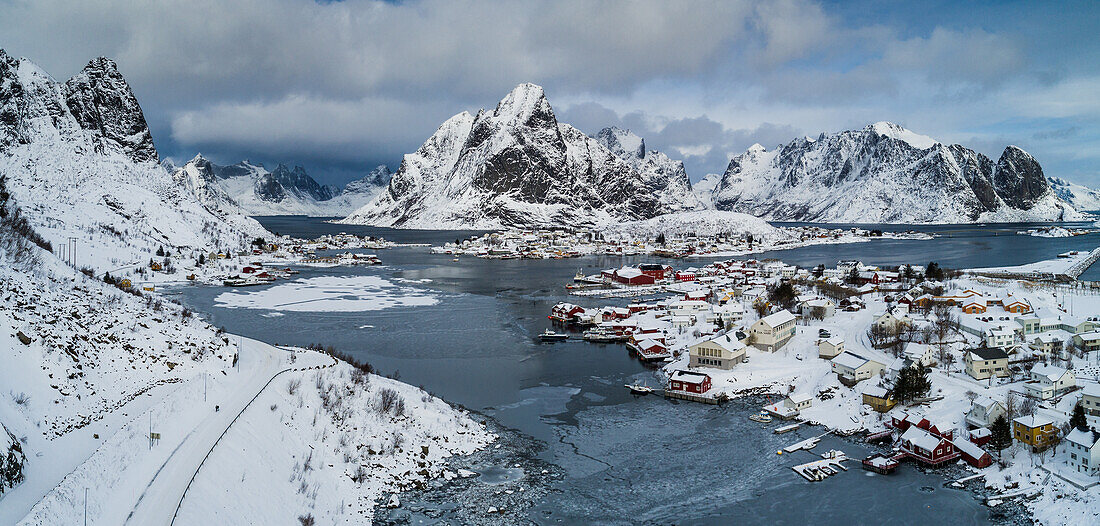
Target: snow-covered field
[329,294]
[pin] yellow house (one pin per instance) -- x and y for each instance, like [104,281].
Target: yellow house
[1035,431]
[878,398]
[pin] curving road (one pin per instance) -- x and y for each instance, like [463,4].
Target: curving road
[163,495]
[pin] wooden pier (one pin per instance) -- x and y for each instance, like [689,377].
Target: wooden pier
[693,397]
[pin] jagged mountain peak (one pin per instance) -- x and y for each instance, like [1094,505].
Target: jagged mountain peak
[522,102]
[518,166]
[884,173]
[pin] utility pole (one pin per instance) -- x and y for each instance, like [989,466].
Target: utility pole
[85,506]
[203,387]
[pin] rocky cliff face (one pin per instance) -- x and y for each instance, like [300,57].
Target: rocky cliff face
[515,165]
[95,108]
[81,163]
[885,174]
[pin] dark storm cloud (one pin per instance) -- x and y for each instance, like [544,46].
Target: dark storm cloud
[350,83]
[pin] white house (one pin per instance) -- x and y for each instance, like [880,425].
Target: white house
[851,368]
[798,401]
[773,331]
[984,411]
[687,307]
[1047,381]
[1082,450]
[891,318]
[1090,399]
[1000,337]
[829,348]
[823,306]
[1047,343]
[920,353]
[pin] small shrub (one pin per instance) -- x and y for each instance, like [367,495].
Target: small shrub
[293,385]
[21,399]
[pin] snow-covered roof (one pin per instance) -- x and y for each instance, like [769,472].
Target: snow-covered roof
[649,344]
[1050,372]
[920,438]
[835,341]
[876,391]
[1090,336]
[776,319]
[798,398]
[628,272]
[968,447]
[728,343]
[688,376]
[850,360]
[1033,421]
[1083,438]
[1090,389]
[985,403]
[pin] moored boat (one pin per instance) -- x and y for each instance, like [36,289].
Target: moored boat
[761,417]
[551,336]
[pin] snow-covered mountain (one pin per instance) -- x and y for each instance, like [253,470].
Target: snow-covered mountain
[516,165]
[80,160]
[282,191]
[664,177]
[1080,196]
[884,173]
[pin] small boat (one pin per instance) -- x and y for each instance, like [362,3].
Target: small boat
[551,336]
[761,417]
[639,389]
[455,259]
[579,276]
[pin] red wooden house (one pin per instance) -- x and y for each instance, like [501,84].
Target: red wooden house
[927,448]
[633,276]
[565,311]
[972,453]
[655,270]
[689,382]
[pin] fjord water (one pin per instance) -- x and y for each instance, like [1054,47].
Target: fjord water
[626,459]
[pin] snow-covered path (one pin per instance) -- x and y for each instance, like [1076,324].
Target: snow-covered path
[130,483]
[158,503]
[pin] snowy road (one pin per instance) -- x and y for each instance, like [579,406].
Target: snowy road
[158,503]
[130,483]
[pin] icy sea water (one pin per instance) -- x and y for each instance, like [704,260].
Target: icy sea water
[626,459]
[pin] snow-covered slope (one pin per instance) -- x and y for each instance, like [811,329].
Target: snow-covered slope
[701,223]
[885,174]
[516,165]
[81,163]
[1080,196]
[282,191]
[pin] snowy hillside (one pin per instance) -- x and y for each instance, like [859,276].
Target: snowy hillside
[282,191]
[120,395]
[80,161]
[516,165]
[1080,196]
[701,223]
[884,174]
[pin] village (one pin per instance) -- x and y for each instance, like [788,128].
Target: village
[559,244]
[940,367]
[260,262]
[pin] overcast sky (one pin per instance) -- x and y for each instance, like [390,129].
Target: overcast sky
[339,87]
